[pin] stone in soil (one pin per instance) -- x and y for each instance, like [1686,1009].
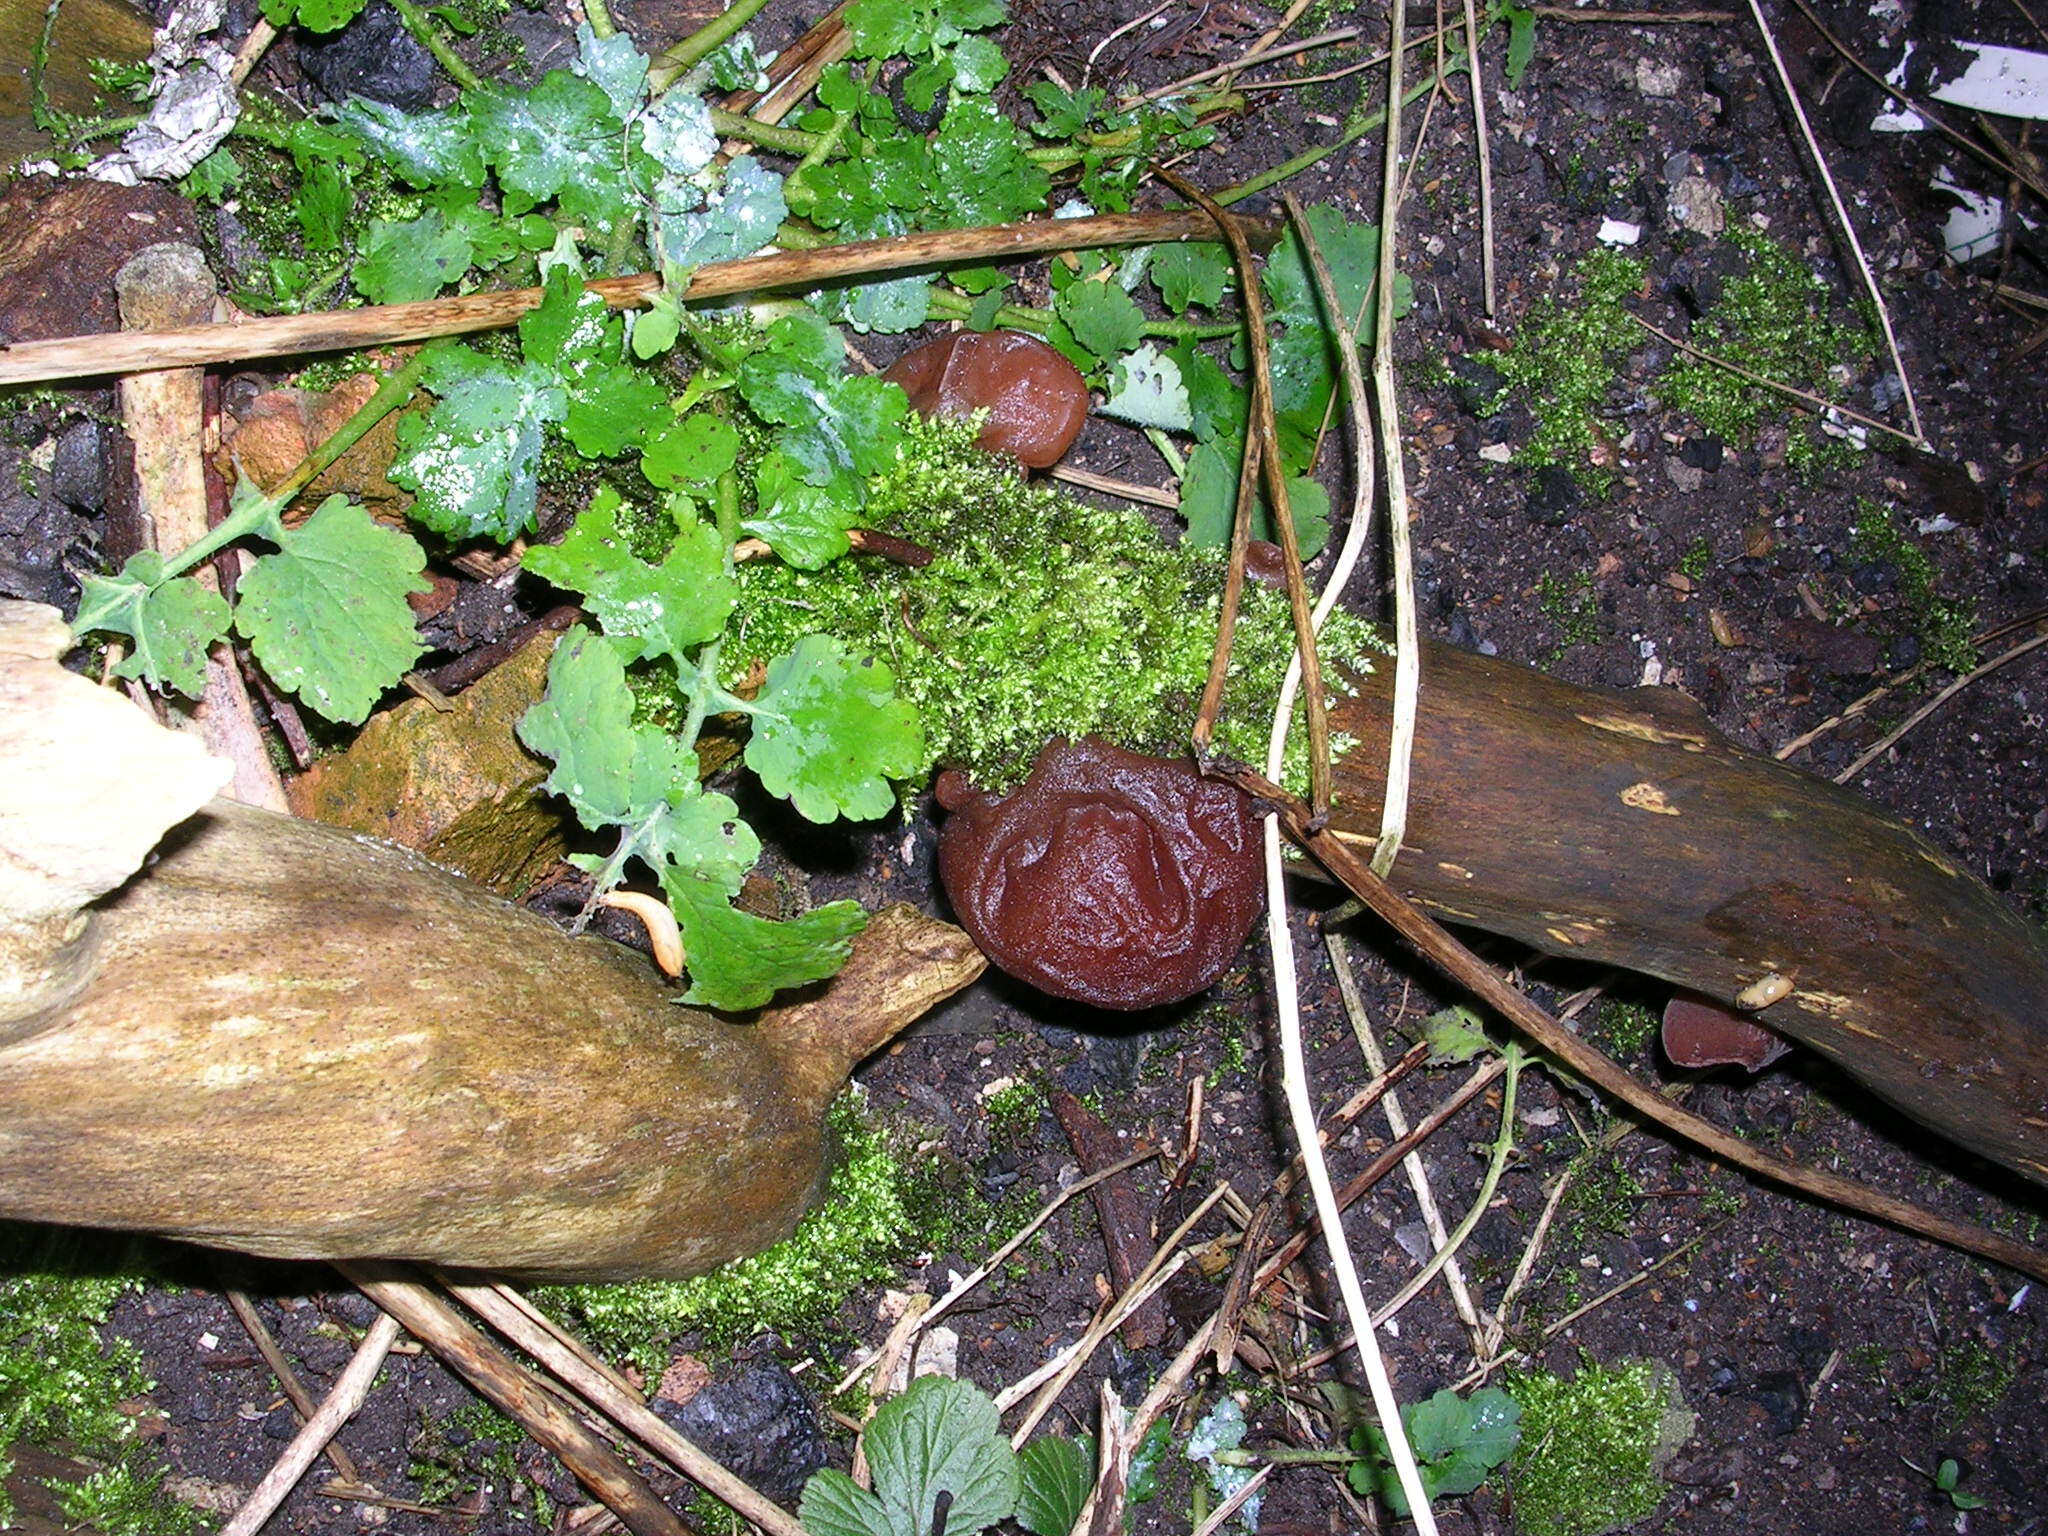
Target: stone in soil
[372,56]
[759,1424]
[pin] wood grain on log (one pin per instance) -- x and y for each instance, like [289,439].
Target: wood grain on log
[1619,827]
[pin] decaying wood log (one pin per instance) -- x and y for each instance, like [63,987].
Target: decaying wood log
[287,1039]
[1618,826]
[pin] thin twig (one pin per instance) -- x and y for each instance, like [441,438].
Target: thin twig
[1892,738]
[1497,1329]
[1413,1165]
[350,1389]
[1224,1512]
[515,1391]
[1826,408]
[1484,149]
[522,1323]
[1407,639]
[114,352]
[1884,314]
[1127,490]
[288,1379]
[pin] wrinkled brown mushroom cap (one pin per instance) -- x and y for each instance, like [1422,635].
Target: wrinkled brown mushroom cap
[1036,399]
[1108,877]
[1699,1032]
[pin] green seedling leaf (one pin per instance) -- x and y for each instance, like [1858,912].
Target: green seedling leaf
[676,131]
[835,1505]
[546,140]
[416,259]
[736,221]
[1145,389]
[978,66]
[942,1436]
[739,961]
[1455,1034]
[845,426]
[692,450]
[662,610]
[473,460]
[612,407]
[170,625]
[979,172]
[326,614]
[1457,1443]
[313,15]
[615,66]
[829,732]
[427,149]
[1223,1429]
[1353,254]
[1521,42]
[1208,501]
[567,326]
[1188,274]
[612,772]
[1063,113]
[804,524]
[1055,1477]
[1103,318]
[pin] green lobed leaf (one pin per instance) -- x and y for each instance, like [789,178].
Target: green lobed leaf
[739,961]
[615,65]
[1521,42]
[1455,1034]
[170,625]
[1187,273]
[541,141]
[473,460]
[1145,389]
[428,149]
[313,15]
[690,450]
[1208,501]
[1102,317]
[416,259]
[1063,113]
[736,221]
[1055,1476]
[835,1505]
[612,772]
[676,132]
[567,326]
[979,171]
[326,614]
[940,1436]
[664,609]
[804,524]
[829,732]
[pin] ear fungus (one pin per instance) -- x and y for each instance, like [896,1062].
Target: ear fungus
[1035,398]
[1699,1032]
[1108,877]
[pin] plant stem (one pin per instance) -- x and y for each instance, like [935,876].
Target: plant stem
[788,141]
[601,24]
[422,27]
[675,62]
[1168,452]
[948,305]
[1357,128]
[1289,1456]
[391,392]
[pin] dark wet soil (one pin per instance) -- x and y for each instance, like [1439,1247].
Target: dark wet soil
[1825,1357]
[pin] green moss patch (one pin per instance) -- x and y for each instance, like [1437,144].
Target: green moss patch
[1593,1448]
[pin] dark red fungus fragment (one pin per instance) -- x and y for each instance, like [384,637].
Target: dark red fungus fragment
[1108,877]
[1699,1032]
[1035,398]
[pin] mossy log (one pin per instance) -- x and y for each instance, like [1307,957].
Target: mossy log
[287,1039]
[1618,826]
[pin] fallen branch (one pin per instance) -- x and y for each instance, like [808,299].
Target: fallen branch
[348,330]
[1436,944]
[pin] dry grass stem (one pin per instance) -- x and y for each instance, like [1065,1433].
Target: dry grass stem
[288,1379]
[350,1389]
[1126,490]
[1483,148]
[1892,738]
[1815,402]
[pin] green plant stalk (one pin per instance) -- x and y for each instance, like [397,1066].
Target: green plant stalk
[675,62]
[422,27]
[787,141]
[828,142]
[1503,1144]
[601,24]
[1357,128]
[1168,452]
[948,305]
[1289,1456]
[391,393]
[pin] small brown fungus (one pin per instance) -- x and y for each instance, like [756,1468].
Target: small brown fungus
[1108,877]
[1699,1032]
[1035,399]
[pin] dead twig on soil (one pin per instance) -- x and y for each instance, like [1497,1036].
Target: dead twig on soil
[75,357]
[1892,738]
[1824,407]
[1127,490]
[349,1391]
[1884,314]
[1120,1215]
[1438,945]
[1483,148]
[288,1380]
[515,1391]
